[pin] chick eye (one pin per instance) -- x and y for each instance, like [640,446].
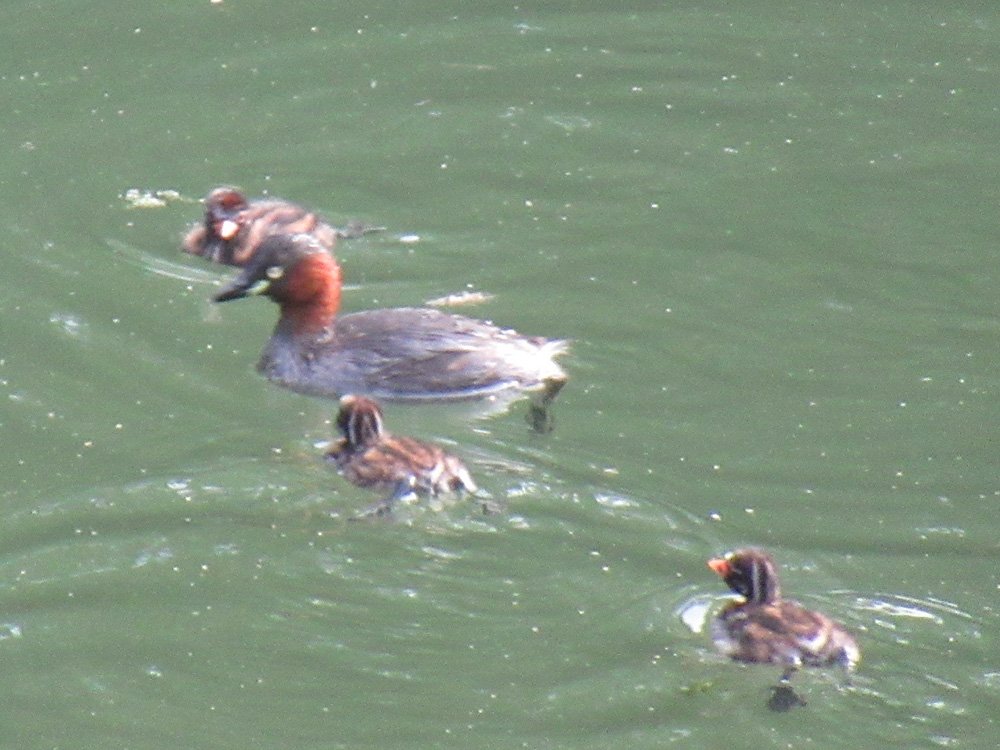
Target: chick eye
[275,272]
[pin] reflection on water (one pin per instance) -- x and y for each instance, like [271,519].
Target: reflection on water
[763,234]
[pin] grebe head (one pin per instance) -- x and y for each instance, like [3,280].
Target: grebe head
[298,273]
[221,208]
[215,238]
[750,573]
[360,421]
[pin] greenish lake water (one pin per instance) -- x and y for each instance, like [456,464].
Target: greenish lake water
[770,231]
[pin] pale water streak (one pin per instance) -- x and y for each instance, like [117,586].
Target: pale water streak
[769,230]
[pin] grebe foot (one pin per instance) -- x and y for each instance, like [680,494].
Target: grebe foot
[540,412]
[540,418]
[784,698]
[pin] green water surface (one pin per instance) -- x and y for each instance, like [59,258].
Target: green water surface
[769,229]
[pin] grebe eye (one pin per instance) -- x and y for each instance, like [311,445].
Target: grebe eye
[275,272]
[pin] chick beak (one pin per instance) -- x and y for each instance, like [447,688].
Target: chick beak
[227,229]
[720,565]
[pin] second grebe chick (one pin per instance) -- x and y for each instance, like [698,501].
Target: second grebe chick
[766,628]
[234,226]
[367,455]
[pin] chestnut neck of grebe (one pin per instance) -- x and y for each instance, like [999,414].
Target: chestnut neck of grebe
[310,298]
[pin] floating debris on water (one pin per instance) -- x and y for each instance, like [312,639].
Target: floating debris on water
[137,198]
[459,299]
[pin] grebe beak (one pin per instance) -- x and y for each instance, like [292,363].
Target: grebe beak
[720,565]
[243,286]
